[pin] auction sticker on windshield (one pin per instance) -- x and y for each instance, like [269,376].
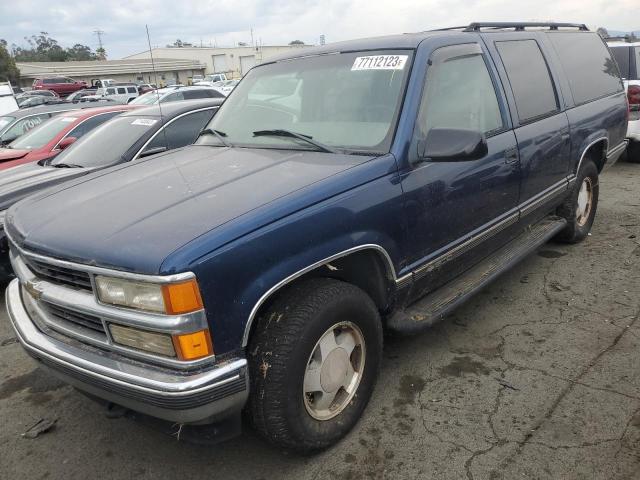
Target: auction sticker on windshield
[147,122]
[380,62]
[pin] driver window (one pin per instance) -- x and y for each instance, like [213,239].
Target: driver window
[459,94]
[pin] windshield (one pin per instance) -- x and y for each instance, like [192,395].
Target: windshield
[149,98]
[106,144]
[349,101]
[5,121]
[42,134]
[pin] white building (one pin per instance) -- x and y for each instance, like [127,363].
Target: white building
[234,61]
[163,71]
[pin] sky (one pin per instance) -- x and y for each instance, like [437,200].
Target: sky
[275,22]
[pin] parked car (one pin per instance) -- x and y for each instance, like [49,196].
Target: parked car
[257,268]
[19,122]
[82,94]
[54,135]
[627,56]
[174,94]
[146,87]
[63,86]
[226,87]
[33,98]
[7,100]
[212,80]
[119,92]
[129,136]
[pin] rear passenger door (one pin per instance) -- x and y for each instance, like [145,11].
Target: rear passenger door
[458,210]
[540,124]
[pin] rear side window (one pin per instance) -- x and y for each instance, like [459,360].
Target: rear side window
[90,124]
[122,90]
[132,89]
[529,77]
[183,131]
[586,61]
[111,91]
[459,93]
[621,55]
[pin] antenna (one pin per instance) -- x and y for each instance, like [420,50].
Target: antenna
[155,76]
[99,34]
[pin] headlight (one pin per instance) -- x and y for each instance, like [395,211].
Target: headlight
[142,340]
[171,299]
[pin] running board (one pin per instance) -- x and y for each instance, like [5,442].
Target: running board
[436,305]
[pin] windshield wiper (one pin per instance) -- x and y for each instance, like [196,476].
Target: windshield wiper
[217,133]
[288,133]
[67,165]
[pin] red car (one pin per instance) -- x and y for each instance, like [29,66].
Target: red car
[63,86]
[51,137]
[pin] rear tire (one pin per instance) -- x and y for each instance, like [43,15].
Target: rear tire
[302,338]
[579,209]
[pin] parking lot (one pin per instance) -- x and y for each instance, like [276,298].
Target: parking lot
[536,377]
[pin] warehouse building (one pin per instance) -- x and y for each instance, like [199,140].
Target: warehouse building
[233,61]
[164,71]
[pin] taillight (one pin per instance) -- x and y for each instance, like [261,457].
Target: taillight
[633,94]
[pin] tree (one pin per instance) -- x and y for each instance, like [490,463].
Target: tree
[101,53]
[8,70]
[43,48]
[296,42]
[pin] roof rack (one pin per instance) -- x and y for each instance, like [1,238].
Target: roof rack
[521,26]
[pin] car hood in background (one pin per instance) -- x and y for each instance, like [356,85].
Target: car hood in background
[133,217]
[11,154]
[23,180]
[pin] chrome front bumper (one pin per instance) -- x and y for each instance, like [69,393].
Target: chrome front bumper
[200,396]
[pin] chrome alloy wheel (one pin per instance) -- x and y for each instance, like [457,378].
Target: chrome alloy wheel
[585,202]
[334,371]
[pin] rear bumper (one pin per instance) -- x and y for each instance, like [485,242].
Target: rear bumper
[633,130]
[201,396]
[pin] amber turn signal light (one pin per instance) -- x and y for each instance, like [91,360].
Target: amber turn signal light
[191,346]
[182,297]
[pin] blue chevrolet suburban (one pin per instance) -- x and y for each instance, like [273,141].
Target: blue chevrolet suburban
[340,191]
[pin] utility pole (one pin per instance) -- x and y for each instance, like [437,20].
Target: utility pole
[99,34]
[252,44]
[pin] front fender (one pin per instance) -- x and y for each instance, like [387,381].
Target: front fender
[236,280]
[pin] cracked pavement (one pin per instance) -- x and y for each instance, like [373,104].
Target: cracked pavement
[536,377]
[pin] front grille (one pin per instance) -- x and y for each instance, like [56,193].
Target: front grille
[58,274]
[58,313]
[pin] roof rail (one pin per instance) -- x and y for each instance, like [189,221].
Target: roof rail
[520,26]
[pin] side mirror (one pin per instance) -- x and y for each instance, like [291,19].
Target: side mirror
[65,142]
[152,151]
[452,145]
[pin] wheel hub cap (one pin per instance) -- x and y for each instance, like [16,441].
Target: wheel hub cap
[585,201]
[334,371]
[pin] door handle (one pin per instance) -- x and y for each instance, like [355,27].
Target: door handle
[511,155]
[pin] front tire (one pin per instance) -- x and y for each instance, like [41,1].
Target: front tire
[314,359]
[579,209]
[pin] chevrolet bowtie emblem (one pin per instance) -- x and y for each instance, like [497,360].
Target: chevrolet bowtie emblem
[34,289]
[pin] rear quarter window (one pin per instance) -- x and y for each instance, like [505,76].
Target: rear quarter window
[591,71]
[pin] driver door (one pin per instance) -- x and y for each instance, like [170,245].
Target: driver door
[459,211]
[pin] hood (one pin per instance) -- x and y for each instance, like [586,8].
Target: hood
[11,154]
[132,217]
[23,180]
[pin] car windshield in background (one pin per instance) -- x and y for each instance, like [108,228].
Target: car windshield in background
[149,98]
[4,121]
[347,101]
[106,144]
[43,134]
